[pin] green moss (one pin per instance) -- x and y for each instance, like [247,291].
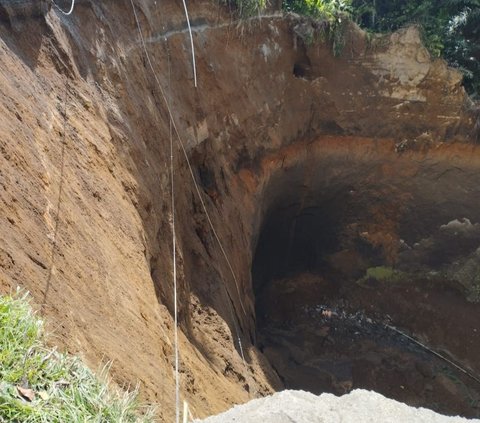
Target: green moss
[381,274]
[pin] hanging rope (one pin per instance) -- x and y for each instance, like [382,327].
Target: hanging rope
[192,175]
[187,414]
[174,257]
[195,184]
[175,296]
[172,186]
[62,11]
[191,44]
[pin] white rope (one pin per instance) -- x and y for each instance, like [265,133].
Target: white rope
[172,186]
[174,256]
[190,415]
[61,10]
[185,412]
[191,44]
[182,146]
[197,189]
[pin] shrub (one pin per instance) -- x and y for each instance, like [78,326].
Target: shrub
[329,10]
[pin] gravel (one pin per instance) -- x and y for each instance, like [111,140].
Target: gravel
[359,406]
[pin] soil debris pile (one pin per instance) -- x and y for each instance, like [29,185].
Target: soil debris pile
[359,406]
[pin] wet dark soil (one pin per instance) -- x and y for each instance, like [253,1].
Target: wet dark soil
[322,336]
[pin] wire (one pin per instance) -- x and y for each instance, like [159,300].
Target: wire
[174,256]
[469,374]
[197,189]
[61,10]
[177,376]
[191,44]
[182,146]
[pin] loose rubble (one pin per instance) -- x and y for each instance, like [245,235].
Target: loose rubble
[359,406]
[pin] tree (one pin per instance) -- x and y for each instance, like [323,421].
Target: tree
[451,28]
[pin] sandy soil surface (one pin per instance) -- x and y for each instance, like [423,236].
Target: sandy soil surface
[359,406]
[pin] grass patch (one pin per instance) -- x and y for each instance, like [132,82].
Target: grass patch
[38,384]
[381,274]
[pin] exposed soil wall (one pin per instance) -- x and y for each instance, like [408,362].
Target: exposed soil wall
[276,118]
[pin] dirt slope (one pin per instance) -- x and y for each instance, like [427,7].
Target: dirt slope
[84,177]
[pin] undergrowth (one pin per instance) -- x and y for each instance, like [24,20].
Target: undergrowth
[38,384]
[449,28]
[334,14]
[330,10]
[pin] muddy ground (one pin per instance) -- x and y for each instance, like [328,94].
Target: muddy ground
[329,336]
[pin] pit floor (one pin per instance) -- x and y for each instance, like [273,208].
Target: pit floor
[322,336]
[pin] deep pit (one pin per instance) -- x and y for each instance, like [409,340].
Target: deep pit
[88,122]
[356,244]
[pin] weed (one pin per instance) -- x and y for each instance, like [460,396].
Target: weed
[39,384]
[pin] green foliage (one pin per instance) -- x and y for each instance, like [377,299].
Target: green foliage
[451,28]
[334,13]
[41,385]
[248,8]
[330,10]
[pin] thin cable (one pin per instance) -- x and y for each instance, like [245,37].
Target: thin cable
[197,189]
[469,374]
[182,146]
[177,376]
[177,384]
[237,332]
[61,10]
[191,44]
[174,256]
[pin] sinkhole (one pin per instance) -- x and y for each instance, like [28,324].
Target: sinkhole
[353,261]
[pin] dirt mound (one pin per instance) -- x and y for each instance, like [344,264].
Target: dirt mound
[357,407]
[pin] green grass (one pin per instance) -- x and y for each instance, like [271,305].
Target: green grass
[61,388]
